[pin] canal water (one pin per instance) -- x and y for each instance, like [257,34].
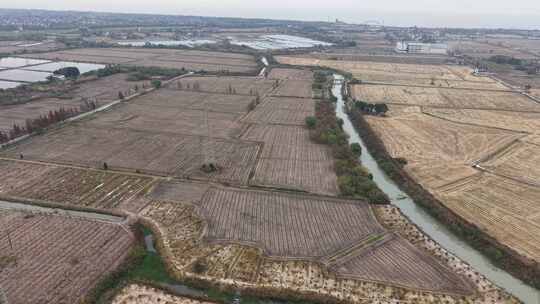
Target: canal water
[436,230]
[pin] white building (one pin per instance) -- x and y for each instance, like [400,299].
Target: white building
[421,48]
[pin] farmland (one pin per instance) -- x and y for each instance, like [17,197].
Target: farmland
[290,160]
[101,91]
[308,237]
[473,148]
[145,156]
[181,228]
[444,98]
[71,186]
[405,74]
[63,257]
[177,59]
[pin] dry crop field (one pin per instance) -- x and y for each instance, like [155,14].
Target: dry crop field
[237,259]
[295,88]
[421,138]
[283,110]
[289,159]
[308,227]
[528,121]
[225,85]
[86,188]
[445,98]
[166,58]
[405,74]
[475,150]
[62,257]
[102,91]
[290,74]
[15,47]
[518,161]
[151,152]
[506,209]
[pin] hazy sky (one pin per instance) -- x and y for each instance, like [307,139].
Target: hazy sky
[454,13]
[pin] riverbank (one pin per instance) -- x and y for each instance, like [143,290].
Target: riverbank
[393,169]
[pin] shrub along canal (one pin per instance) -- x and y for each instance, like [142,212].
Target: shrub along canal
[436,230]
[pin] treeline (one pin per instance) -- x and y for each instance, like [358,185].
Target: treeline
[38,124]
[501,255]
[137,73]
[531,68]
[353,179]
[371,108]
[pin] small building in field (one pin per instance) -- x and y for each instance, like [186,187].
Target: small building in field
[421,48]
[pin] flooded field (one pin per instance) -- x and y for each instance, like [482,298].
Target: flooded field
[15,70]
[24,75]
[53,66]
[15,62]
[276,42]
[8,84]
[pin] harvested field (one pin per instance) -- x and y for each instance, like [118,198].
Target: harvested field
[519,161]
[167,58]
[282,110]
[295,88]
[19,113]
[181,112]
[86,188]
[226,85]
[393,259]
[289,159]
[140,294]
[151,152]
[181,229]
[506,209]
[481,49]
[405,74]
[507,119]
[62,257]
[309,227]
[446,98]
[176,191]
[291,74]
[103,90]
[423,139]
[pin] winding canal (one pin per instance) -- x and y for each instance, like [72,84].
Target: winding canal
[436,230]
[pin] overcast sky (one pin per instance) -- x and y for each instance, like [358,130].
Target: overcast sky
[453,13]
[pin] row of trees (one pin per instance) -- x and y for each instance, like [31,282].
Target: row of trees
[40,123]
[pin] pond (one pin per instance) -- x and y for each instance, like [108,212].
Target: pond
[16,62]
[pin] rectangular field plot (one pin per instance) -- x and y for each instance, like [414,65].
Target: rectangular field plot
[506,209]
[282,110]
[293,74]
[167,58]
[447,98]
[290,160]
[62,257]
[399,73]
[157,153]
[295,88]
[18,114]
[520,161]
[394,260]
[226,85]
[433,141]
[506,119]
[87,188]
[286,225]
